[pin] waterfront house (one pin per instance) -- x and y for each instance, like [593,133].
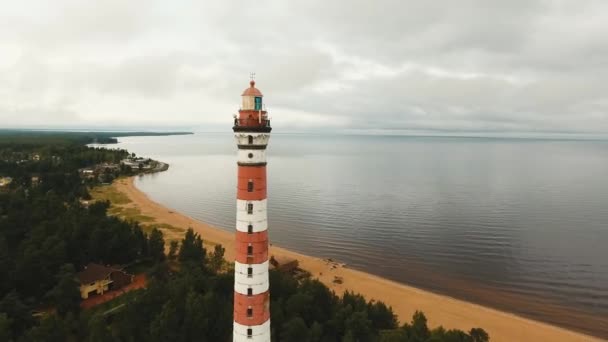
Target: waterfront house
[98,279]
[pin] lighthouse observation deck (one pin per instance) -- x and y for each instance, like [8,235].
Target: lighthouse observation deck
[252,121]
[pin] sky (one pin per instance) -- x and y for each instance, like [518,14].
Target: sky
[356,66]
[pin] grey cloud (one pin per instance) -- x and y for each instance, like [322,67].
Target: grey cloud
[522,65]
[35,116]
[68,24]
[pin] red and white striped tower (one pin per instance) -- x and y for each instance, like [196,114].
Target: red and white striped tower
[251,294]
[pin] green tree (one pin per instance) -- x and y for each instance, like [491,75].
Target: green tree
[300,305]
[140,240]
[17,311]
[156,245]
[396,335]
[360,327]
[316,332]
[479,335]
[51,329]
[66,294]
[195,323]
[295,330]
[420,330]
[191,250]
[349,337]
[217,258]
[5,327]
[381,316]
[455,336]
[98,330]
[5,265]
[173,247]
[165,327]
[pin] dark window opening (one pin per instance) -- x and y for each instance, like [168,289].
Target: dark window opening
[250,140]
[249,312]
[250,186]
[250,155]
[249,272]
[249,250]
[250,208]
[249,333]
[250,292]
[250,229]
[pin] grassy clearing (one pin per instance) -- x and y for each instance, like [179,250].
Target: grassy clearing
[121,208]
[109,193]
[130,214]
[171,233]
[167,226]
[134,214]
[119,202]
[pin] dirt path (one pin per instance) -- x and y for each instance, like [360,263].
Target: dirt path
[440,310]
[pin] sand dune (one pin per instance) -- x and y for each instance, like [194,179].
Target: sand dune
[439,309]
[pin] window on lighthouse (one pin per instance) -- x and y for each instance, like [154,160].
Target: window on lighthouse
[249,333]
[249,208]
[250,250]
[249,272]
[258,103]
[249,312]
[250,186]
[250,229]
[250,140]
[250,292]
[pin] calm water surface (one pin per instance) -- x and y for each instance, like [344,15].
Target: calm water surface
[521,225]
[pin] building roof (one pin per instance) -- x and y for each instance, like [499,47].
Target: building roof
[94,272]
[283,263]
[252,90]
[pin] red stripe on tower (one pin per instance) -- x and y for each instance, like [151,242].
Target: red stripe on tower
[251,294]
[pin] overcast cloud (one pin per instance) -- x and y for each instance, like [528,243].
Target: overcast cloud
[469,65]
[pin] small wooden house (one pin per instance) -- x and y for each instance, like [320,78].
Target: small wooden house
[98,279]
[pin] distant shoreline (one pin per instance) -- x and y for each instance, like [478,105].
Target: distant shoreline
[440,310]
[109,138]
[80,137]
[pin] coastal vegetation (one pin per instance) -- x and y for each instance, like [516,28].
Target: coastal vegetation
[49,231]
[121,207]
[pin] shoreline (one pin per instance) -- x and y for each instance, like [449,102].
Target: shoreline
[404,299]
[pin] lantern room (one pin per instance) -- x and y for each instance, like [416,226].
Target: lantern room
[252,114]
[252,98]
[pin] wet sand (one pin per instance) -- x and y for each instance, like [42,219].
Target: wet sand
[439,309]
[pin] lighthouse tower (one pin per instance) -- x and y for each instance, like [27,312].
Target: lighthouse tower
[251,294]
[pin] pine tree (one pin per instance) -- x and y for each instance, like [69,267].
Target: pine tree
[156,245]
[65,295]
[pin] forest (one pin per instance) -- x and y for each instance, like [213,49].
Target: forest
[49,232]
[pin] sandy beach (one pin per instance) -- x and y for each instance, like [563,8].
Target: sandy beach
[439,309]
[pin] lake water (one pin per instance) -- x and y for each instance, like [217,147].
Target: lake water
[520,225]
